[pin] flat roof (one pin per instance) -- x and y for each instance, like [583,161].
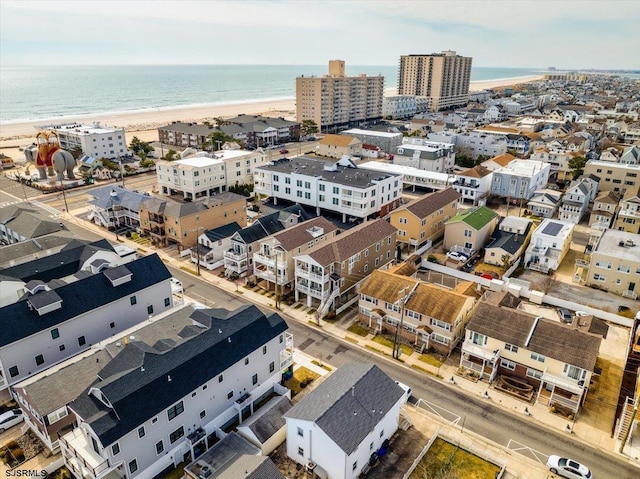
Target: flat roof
[406,170]
[358,131]
[610,244]
[81,130]
[199,161]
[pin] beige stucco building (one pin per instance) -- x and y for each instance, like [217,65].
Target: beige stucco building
[337,146]
[441,77]
[617,177]
[337,101]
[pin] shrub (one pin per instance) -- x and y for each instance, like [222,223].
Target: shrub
[17,453]
[330,315]
[12,445]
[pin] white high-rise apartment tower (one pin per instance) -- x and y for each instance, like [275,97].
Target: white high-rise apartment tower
[442,77]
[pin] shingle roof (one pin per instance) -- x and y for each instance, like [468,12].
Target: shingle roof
[351,242]
[210,353]
[271,224]
[349,404]
[509,242]
[477,171]
[177,209]
[80,297]
[477,218]
[298,235]
[550,338]
[338,140]
[269,419]
[103,198]
[423,207]
[222,232]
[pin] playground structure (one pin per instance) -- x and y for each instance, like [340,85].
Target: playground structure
[49,158]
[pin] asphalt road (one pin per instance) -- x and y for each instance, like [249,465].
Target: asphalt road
[477,414]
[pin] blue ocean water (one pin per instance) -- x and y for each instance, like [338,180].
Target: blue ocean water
[48,92]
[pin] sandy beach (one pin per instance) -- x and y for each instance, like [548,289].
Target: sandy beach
[144,124]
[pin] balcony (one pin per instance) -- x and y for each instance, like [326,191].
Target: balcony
[270,276]
[313,292]
[196,435]
[81,456]
[567,384]
[235,255]
[266,260]
[286,355]
[305,273]
[242,402]
[538,267]
[478,351]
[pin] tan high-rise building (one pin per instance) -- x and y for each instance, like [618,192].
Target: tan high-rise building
[442,77]
[336,101]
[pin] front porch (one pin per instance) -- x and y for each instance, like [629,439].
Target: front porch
[478,360]
[559,393]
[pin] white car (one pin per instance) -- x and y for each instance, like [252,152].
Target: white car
[457,256]
[568,468]
[407,390]
[10,418]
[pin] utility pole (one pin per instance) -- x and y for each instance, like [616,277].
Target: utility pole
[121,172]
[64,196]
[399,326]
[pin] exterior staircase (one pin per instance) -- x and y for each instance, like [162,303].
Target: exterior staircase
[324,307]
[624,422]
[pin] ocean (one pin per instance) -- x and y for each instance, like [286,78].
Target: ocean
[53,92]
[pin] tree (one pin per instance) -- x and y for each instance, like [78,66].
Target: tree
[138,146]
[547,284]
[308,127]
[171,155]
[219,121]
[576,165]
[215,141]
[76,151]
[507,261]
[109,164]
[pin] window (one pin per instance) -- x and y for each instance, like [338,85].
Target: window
[574,372]
[141,432]
[272,367]
[534,373]
[624,268]
[175,410]
[62,347]
[355,464]
[511,347]
[300,432]
[479,339]
[159,447]
[229,394]
[55,334]
[264,350]
[133,466]
[300,452]
[371,446]
[336,190]
[167,302]
[177,434]
[203,414]
[254,379]
[468,233]
[112,325]
[246,361]
[505,363]
[220,378]
[81,341]
[150,309]
[115,449]
[154,420]
[133,300]
[599,277]
[39,360]
[538,357]
[382,433]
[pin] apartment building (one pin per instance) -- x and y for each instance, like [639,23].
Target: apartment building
[181,223]
[253,131]
[520,179]
[199,174]
[385,140]
[399,107]
[19,223]
[614,264]
[441,77]
[475,144]
[329,272]
[341,188]
[426,315]
[474,183]
[628,218]
[425,155]
[240,355]
[94,140]
[423,219]
[336,101]
[54,321]
[273,260]
[549,244]
[555,360]
[337,146]
[616,177]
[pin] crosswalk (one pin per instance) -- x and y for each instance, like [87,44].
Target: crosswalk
[9,203]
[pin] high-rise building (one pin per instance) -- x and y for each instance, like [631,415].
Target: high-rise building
[336,101]
[441,77]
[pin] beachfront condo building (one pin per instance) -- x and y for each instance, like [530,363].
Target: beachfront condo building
[336,101]
[441,77]
[94,140]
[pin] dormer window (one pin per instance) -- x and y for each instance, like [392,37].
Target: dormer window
[45,302]
[118,276]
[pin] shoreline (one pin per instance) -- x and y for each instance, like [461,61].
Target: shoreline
[144,123]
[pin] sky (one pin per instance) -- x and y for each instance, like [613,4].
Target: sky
[567,34]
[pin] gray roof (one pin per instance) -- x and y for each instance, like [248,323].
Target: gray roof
[271,224]
[178,209]
[303,165]
[28,222]
[510,242]
[269,419]
[222,232]
[349,404]
[17,251]
[103,198]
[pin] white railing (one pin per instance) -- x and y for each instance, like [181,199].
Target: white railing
[566,384]
[630,294]
[305,273]
[235,256]
[315,293]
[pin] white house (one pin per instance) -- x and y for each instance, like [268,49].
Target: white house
[575,201]
[341,187]
[473,183]
[385,140]
[426,155]
[52,324]
[519,179]
[342,422]
[147,411]
[399,106]
[94,140]
[544,202]
[477,143]
[549,245]
[212,244]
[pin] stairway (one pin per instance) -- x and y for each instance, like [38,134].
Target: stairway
[324,307]
[624,423]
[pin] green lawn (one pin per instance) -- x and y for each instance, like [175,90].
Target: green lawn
[301,377]
[407,350]
[444,460]
[355,328]
[427,358]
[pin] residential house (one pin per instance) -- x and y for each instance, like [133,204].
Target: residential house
[474,183]
[341,188]
[49,325]
[628,218]
[426,315]
[616,177]
[519,143]
[495,113]
[549,244]
[181,223]
[476,143]
[630,155]
[114,207]
[614,264]
[555,360]
[332,270]
[426,155]
[575,201]
[411,177]
[18,224]
[604,210]
[385,140]
[508,241]
[470,230]
[349,416]
[519,179]
[337,146]
[422,220]
[273,260]
[240,355]
[499,161]
[372,151]
[238,260]
[212,244]
[544,202]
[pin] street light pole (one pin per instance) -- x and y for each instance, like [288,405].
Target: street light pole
[400,324]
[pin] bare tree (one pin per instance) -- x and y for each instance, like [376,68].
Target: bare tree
[547,284]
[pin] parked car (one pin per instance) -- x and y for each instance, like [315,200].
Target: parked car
[565,315]
[568,468]
[284,151]
[10,418]
[457,256]
[407,390]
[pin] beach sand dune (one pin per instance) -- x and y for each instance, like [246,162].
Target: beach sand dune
[144,124]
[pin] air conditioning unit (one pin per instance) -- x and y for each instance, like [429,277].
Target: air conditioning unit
[311,466]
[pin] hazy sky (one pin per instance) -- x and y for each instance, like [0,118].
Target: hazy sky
[516,33]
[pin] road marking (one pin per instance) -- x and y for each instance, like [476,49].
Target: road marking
[436,410]
[9,203]
[527,451]
[47,208]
